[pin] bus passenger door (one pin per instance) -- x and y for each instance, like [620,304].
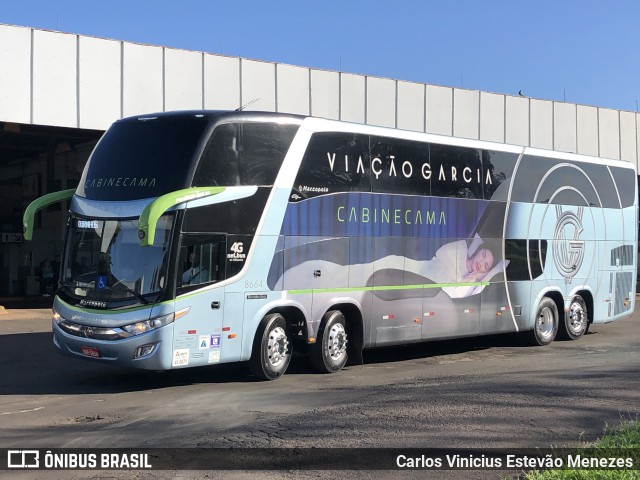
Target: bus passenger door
[496,315]
[451,305]
[396,296]
[199,332]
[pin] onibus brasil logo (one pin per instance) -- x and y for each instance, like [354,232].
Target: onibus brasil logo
[568,249]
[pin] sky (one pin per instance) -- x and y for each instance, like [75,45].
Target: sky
[579,51]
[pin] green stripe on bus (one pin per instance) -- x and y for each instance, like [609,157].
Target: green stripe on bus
[386,287]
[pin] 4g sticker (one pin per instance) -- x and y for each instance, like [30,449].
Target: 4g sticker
[237,252]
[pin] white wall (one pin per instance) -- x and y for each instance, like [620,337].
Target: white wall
[325,94]
[100,82]
[182,80]
[381,102]
[142,79]
[293,89]
[466,113]
[492,117]
[15,74]
[352,98]
[54,95]
[439,107]
[221,82]
[411,106]
[60,79]
[258,85]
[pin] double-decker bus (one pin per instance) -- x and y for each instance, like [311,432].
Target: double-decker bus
[204,237]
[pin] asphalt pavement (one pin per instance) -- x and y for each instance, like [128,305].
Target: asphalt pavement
[487,392]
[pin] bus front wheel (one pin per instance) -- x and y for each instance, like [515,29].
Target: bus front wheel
[329,353]
[271,349]
[546,323]
[576,320]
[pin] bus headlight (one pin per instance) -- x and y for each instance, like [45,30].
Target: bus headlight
[145,326]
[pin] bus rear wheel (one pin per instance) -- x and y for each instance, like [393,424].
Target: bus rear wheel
[546,323]
[329,353]
[575,321]
[271,349]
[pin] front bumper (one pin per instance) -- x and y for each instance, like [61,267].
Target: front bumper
[119,352]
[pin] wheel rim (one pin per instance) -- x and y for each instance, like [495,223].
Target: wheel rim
[277,347]
[545,323]
[577,318]
[337,342]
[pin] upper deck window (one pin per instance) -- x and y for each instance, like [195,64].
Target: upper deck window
[564,182]
[143,158]
[244,153]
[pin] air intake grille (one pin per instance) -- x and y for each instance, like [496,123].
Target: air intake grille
[622,256]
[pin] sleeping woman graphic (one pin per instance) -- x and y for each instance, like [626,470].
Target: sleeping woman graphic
[460,268]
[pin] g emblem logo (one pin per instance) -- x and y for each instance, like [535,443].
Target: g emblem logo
[568,249]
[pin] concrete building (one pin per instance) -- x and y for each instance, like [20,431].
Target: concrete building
[60,91]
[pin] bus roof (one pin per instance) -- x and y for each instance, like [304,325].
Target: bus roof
[215,115]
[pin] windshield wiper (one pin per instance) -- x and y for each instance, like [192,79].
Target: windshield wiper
[87,286]
[131,291]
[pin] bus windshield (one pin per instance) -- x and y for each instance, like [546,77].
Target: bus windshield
[103,261]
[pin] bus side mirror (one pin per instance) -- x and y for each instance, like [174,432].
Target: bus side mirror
[153,211]
[28,218]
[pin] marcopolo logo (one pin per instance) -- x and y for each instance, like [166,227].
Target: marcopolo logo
[568,249]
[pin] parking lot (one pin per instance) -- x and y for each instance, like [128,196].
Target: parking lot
[473,393]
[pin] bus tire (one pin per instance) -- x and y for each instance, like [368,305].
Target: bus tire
[546,322]
[575,321]
[329,353]
[271,352]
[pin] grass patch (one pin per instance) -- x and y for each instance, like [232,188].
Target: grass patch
[622,442]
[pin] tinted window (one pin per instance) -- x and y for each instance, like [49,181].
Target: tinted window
[201,260]
[244,154]
[516,253]
[547,180]
[568,185]
[498,172]
[398,166]
[622,255]
[603,182]
[234,216]
[455,171]
[143,158]
[334,162]
[528,176]
[625,180]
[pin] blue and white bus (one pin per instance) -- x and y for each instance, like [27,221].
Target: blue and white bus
[205,237]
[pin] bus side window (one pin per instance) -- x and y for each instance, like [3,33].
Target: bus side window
[199,260]
[456,171]
[333,163]
[400,166]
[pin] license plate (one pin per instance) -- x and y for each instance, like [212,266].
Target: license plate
[90,352]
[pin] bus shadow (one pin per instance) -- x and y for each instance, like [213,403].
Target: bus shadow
[33,367]
[436,348]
